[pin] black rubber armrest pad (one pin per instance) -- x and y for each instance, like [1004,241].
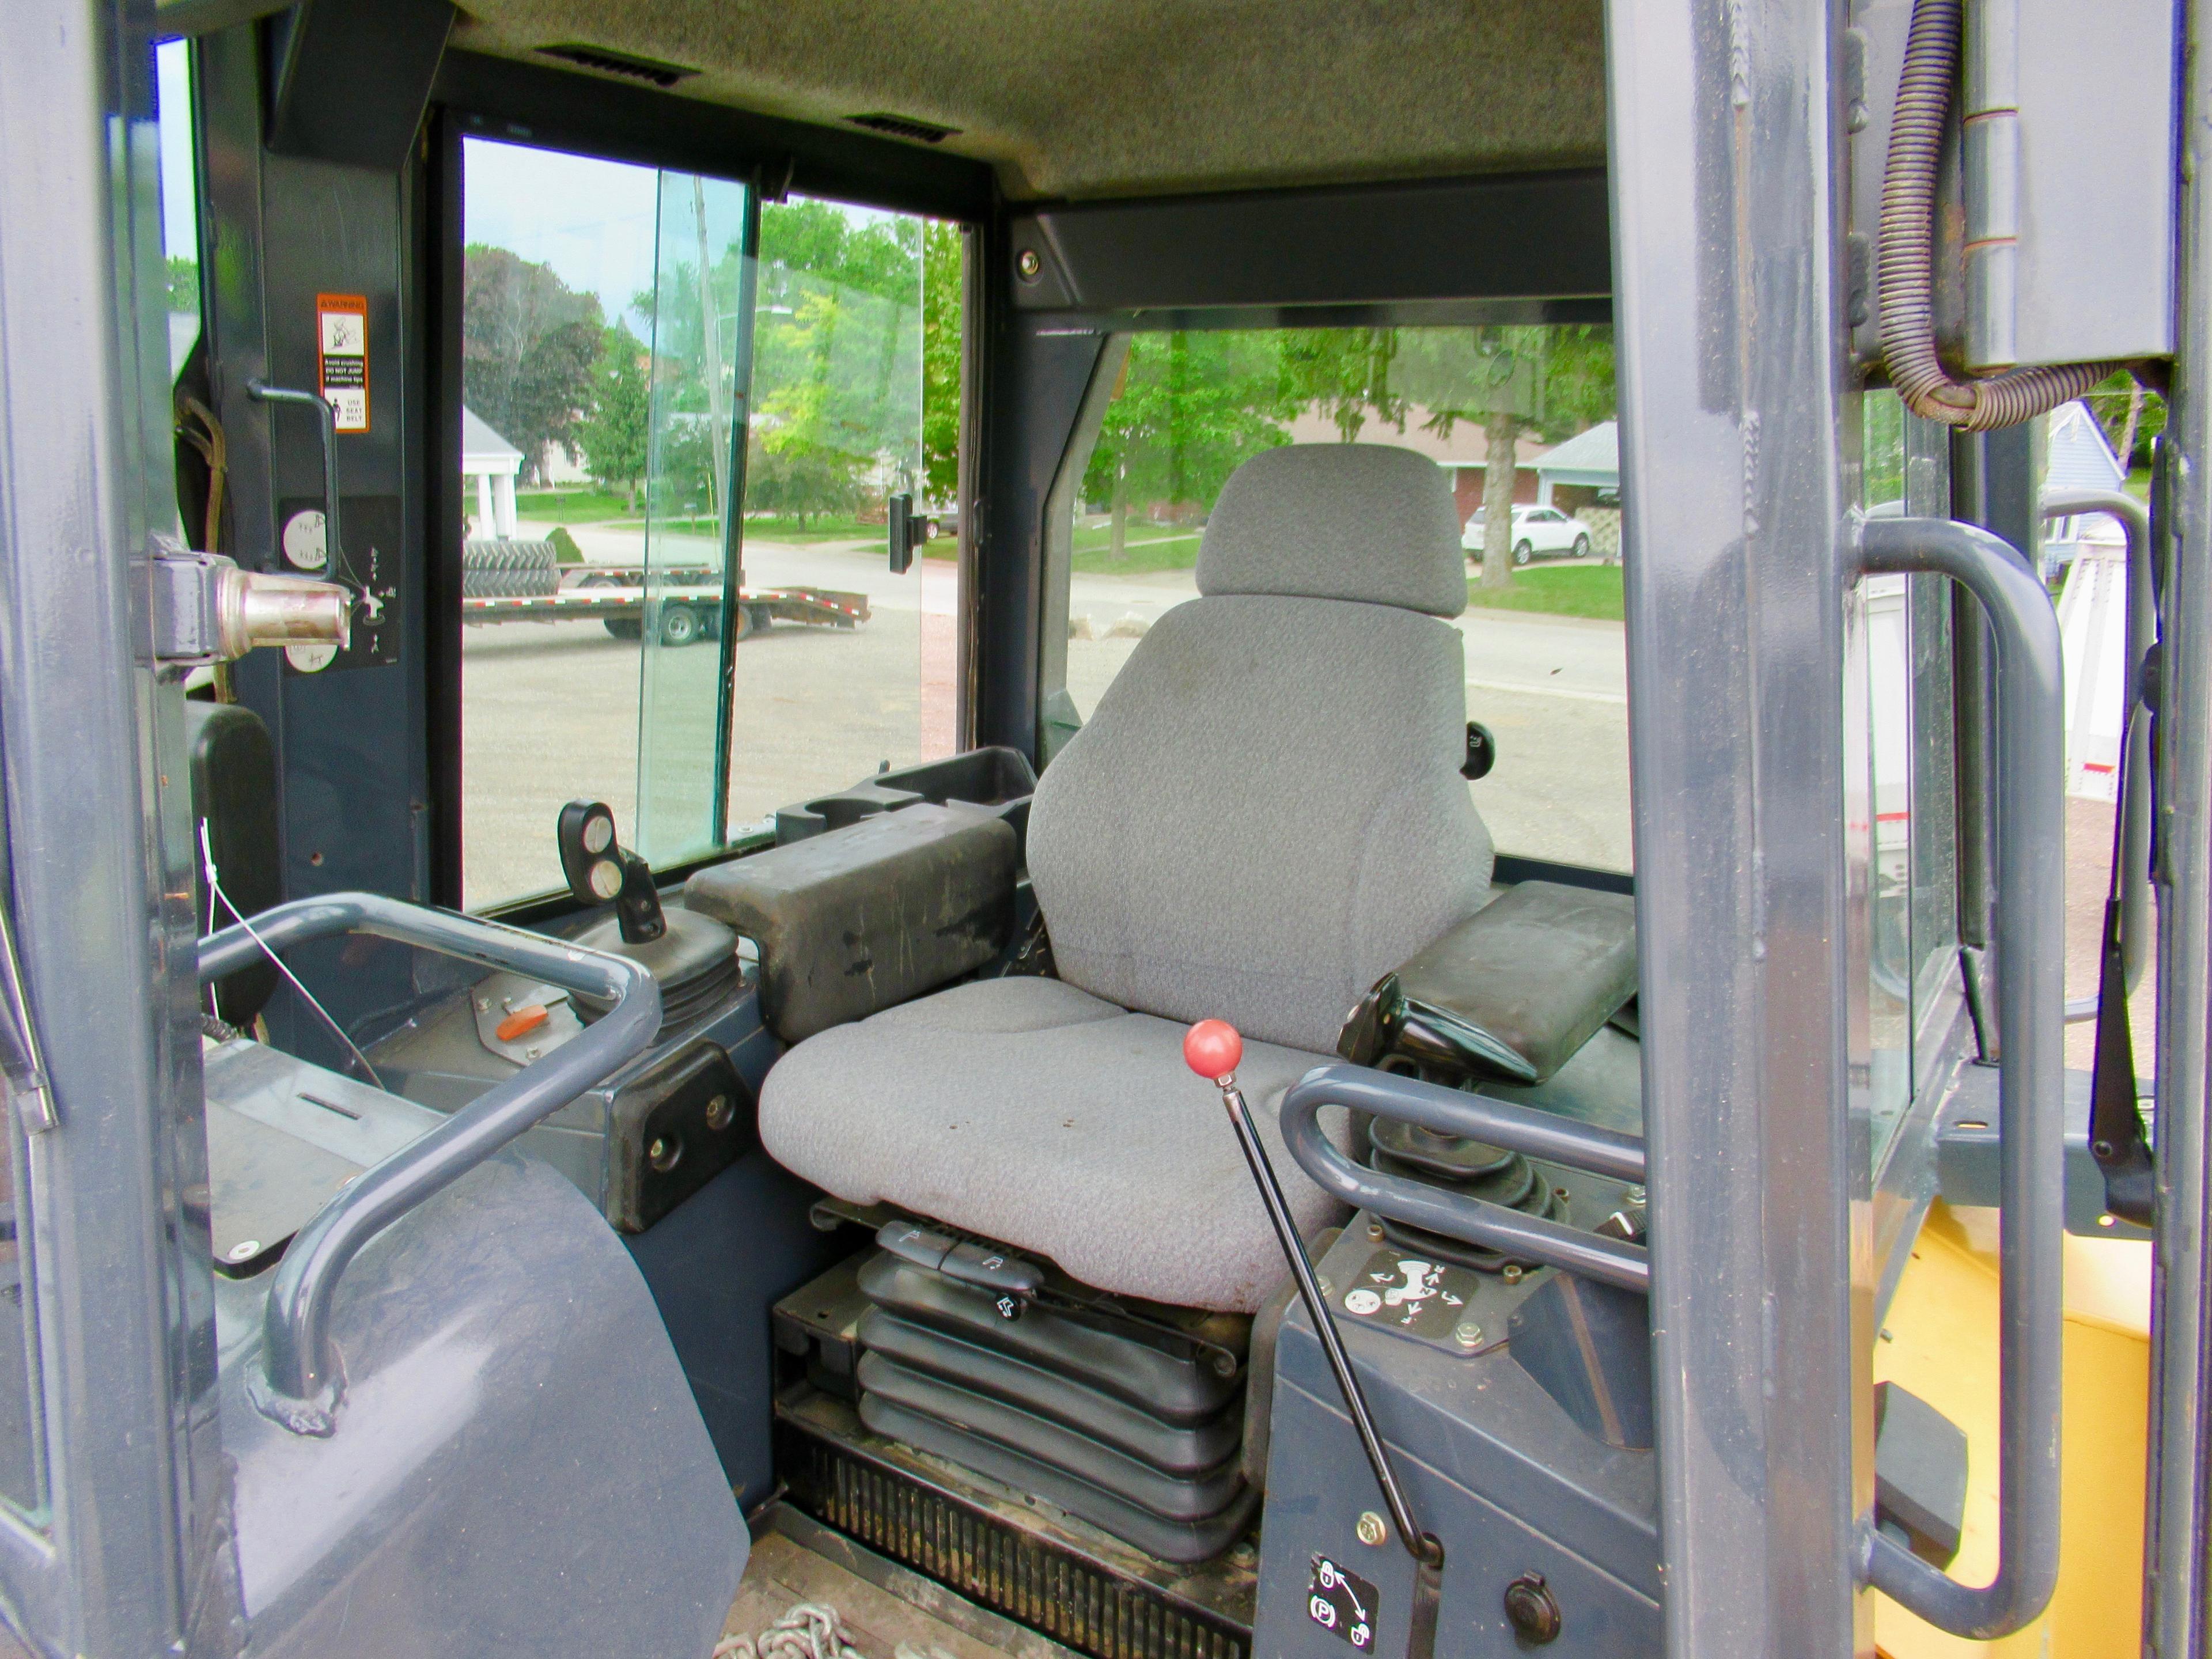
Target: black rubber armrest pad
[869,916]
[1516,989]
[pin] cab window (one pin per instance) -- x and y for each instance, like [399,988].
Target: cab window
[686,416]
[1175,413]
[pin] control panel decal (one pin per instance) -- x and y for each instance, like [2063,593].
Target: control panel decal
[1342,1603]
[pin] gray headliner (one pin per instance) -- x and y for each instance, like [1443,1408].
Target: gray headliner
[1092,98]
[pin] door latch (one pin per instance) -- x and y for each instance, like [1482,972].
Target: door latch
[206,610]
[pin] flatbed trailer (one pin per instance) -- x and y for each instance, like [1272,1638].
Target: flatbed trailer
[687,608]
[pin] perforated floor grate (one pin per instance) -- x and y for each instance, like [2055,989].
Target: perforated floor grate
[1009,1562]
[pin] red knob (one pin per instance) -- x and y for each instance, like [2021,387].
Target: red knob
[1212,1048]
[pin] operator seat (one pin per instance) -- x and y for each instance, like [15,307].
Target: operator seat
[1265,814]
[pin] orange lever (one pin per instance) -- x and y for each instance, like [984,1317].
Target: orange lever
[1213,1048]
[520,1022]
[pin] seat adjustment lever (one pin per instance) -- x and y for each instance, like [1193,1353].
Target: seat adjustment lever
[1012,1278]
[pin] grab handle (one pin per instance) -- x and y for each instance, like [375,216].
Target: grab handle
[327,429]
[303,1384]
[2030,941]
[1501,1123]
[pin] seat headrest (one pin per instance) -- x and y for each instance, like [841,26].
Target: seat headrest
[1338,521]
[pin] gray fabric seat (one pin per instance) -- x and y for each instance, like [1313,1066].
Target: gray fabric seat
[1263,816]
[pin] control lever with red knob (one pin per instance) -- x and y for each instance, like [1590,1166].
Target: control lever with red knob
[1213,1049]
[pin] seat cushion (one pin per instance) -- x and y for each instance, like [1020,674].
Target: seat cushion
[1264,816]
[1035,1113]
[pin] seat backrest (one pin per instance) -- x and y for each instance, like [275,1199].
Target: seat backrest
[1266,814]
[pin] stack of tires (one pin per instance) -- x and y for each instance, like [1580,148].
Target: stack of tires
[509,569]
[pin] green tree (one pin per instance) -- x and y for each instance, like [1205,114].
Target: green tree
[838,366]
[1552,381]
[1191,408]
[940,359]
[614,431]
[878,255]
[184,284]
[2132,415]
[1344,373]
[528,346]
[822,423]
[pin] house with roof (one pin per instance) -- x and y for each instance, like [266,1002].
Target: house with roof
[489,463]
[1463,455]
[1583,471]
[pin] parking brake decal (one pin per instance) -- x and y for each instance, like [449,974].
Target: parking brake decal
[1343,1603]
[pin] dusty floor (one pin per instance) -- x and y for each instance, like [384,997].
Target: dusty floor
[880,1625]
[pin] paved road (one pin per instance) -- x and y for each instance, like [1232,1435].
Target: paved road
[555,710]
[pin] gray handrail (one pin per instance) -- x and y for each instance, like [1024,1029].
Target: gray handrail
[2134,800]
[1501,1123]
[304,1382]
[2031,940]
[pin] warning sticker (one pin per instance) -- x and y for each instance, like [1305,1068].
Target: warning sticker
[342,355]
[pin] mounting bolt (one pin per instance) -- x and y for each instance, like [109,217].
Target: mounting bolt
[719,1113]
[1372,1530]
[1326,1289]
[1532,1610]
[1027,266]
[1375,1231]
[1468,1334]
[1244,1555]
[1511,1273]
[245,1250]
[1636,1196]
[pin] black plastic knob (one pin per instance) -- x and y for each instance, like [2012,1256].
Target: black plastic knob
[1532,1610]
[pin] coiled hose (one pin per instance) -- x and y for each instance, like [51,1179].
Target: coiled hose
[1907,259]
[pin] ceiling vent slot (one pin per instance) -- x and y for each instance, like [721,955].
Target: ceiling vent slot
[905,126]
[620,63]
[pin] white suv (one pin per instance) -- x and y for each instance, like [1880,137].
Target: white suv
[1537,530]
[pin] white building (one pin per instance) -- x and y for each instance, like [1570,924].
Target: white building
[1590,461]
[490,462]
[2077,457]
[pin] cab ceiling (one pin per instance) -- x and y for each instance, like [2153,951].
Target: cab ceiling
[1081,99]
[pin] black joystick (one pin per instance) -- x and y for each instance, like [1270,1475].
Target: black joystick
[599,868]
[692,956]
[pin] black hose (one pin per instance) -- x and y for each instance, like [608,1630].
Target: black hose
[1906,260]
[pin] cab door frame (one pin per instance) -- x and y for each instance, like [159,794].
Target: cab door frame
[130,1555]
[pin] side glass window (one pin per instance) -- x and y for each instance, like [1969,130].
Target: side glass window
[556,326]
[843,667]
[685,417]
[181,217]
[696,317]
[1899,786]
[1518,418]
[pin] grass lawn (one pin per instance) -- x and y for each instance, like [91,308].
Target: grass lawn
[1577,590]
[818,529]
[1147,549]
[569,505]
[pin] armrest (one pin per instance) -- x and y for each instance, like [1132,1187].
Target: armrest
[1513,992]
[860,918]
